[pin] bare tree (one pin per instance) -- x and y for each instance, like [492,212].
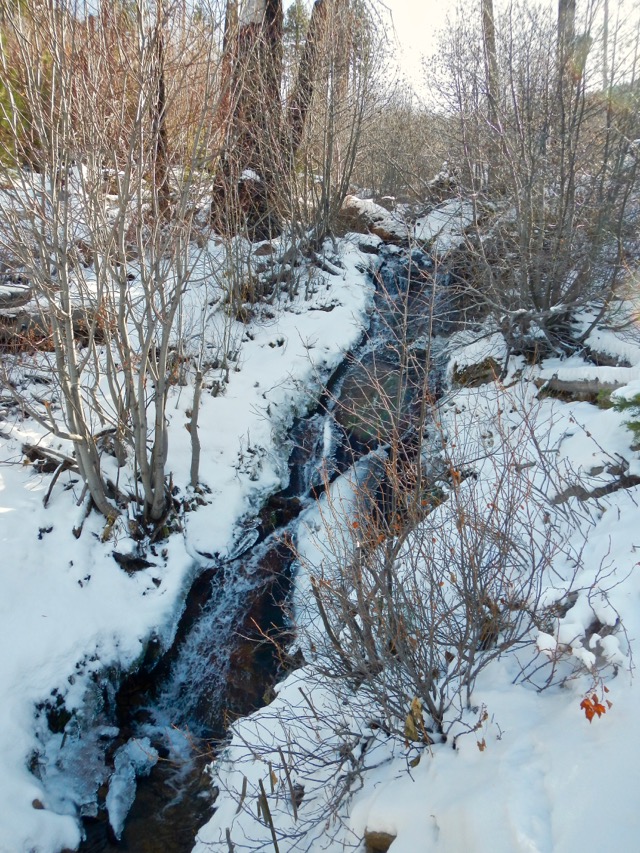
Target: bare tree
[433,564]
[491,63]
[251,145]
[262,139]
[103,225]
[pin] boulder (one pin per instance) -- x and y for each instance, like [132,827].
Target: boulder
[29,328]
[14,294]
[474,375]
[364,216]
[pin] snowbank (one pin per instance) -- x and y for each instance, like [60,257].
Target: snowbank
[522,769]
[68,612]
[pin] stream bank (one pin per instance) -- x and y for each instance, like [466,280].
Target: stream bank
[222,664]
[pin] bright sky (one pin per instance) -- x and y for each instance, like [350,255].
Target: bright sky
[416,22]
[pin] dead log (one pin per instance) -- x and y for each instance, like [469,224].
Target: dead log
[581,390]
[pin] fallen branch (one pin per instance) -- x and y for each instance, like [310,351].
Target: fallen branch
[48,458]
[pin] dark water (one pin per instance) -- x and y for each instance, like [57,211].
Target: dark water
[224,660]
[228,650]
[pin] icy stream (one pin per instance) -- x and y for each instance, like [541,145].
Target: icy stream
[222,664]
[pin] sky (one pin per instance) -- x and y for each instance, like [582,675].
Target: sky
[415,23]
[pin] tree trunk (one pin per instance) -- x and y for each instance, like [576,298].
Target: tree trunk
[491,70]
[605,48]
[491,60]
[158,124]
[566,33]
[250,161]
[259,144]
[300,100]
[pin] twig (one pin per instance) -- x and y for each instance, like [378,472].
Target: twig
[63,466]
[266,811]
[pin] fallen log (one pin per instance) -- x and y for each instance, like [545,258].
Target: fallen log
[582,389]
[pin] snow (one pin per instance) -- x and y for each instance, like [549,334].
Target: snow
[135,758]
[443,228]
[522,770]
[377,218]
[468,349]
[628,391]
[69,613]
[575,369]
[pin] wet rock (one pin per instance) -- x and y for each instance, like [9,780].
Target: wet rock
[369,244]
[278,512]
[363,410]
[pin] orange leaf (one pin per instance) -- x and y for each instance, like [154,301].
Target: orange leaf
[587,707]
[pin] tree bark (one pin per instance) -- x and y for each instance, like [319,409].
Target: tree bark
[245,184]
[566,32]
[300,100]
[258,142]
[158,123]
[605,48]
[491,60]
[491,71]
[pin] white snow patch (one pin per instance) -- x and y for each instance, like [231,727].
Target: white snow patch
[444,227]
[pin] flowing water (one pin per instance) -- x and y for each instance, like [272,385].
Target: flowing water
[223,662]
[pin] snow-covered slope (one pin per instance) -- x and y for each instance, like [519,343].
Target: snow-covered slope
[544,757]
[68,611]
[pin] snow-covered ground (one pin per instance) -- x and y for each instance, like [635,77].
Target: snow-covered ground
[522,769]
[443,228]
[69,612]
[543,760]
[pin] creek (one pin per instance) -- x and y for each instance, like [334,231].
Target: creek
[223,663]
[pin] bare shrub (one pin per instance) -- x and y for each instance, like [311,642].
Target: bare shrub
[102,224]
[549,159]
[431,580]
